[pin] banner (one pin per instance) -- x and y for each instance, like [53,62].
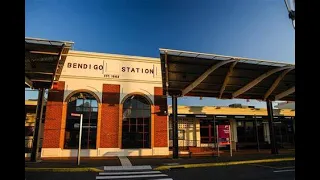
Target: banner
[224,134]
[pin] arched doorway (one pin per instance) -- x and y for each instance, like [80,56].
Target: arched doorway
[87,104]
[136,122]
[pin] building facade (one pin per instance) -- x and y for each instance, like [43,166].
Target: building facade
[249,126]
[126,114]
[120,97]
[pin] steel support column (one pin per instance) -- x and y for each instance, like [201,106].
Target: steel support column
[175,146]
[36,137]
[274,149]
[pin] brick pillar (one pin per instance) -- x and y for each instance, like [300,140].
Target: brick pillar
[53,119]
[110,116]
[160,119]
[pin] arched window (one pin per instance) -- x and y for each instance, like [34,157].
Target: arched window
[136,122]
[86,104]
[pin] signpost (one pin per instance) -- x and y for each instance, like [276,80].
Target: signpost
[80,135]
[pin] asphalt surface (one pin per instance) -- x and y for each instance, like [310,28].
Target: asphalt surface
[265,171]
[196,160]
[60,176]
[160,161]
[72,163]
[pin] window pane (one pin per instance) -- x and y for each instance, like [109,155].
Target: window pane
[181,134]
[146,106]
[125,121]
[79,109]
[29,130]
[140,120]
[134,103]
[146,113]
[94,103]
[146,127]
[133,120]
[136,133]
[126,113]
[125,128]
[94,115]
[127,104]
[79,102]
[146,121]
[138,113]
[139,104]
[140,128]
[133,128]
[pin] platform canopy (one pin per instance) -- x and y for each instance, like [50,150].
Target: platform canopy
[226,77]
[44,60]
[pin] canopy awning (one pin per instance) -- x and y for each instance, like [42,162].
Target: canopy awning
[209,75]
[44,60]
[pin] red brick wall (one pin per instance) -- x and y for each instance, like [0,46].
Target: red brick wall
[110,116]
[160,119]
[52,126]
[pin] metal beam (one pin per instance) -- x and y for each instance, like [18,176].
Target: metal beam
[205,75]
[175,142]
[41,80]
[28,82]
[258,80]
[285,93]
[167,70]
[226,80]
[31,72]
[47,53]
[37,130]
[274,149]
[276,83]
[56,69]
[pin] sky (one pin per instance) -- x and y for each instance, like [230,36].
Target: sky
[257,29]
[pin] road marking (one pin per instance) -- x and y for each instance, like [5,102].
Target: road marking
[171,164]
[132,176]
[124,168]
[62,169]
[286,167]
[285,170]
[224,163]
[258,165]
[124,161]
[127,173]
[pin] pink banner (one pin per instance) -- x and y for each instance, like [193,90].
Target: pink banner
[224,134]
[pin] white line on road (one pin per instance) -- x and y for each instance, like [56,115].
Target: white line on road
[127,173]
[124,161]
[134,176]
[286,167]
[285,170]
[124,168]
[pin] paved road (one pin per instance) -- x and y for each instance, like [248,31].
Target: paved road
[60,176]
[265,171]
[132,172]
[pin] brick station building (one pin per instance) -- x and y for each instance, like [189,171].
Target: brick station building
[120,97]
[126,114]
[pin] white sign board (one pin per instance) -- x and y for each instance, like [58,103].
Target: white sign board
[111,69]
